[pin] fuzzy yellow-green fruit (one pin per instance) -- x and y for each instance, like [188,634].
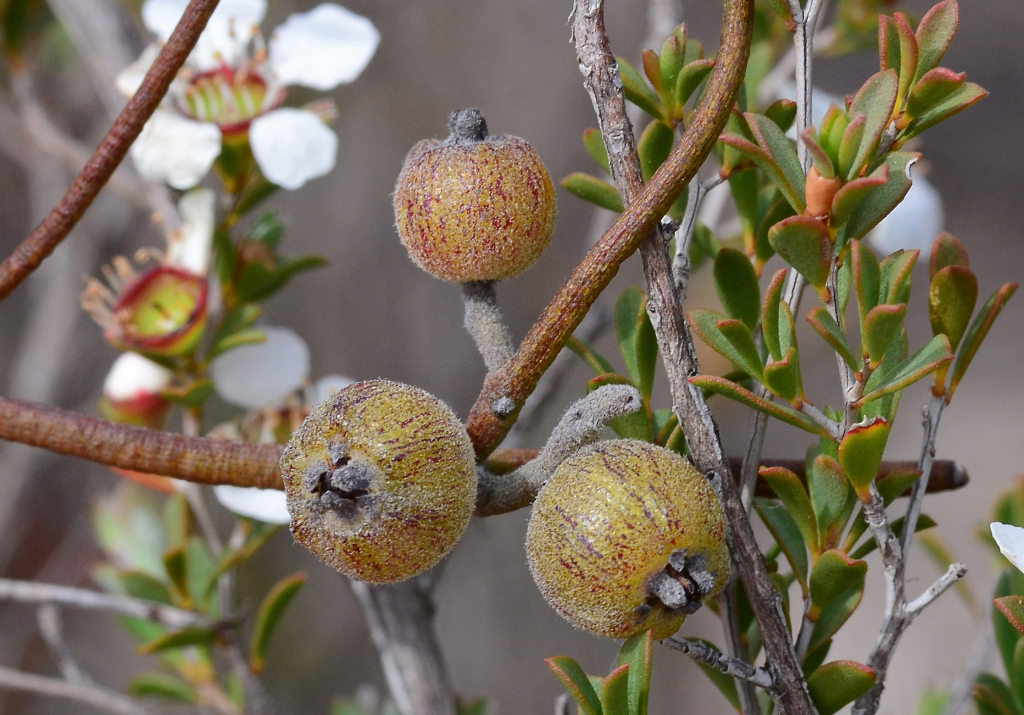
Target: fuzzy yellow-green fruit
[474,207]
[380,481]
[627,536]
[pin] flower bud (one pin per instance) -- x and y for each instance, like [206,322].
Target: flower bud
[132,392]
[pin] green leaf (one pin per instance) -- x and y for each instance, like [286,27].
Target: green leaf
[729,338]
[596,191]
[638,653]
[881,200]
[897,270]
[867,277]
[934,35]
[576,682]
[738,289]
[744,188]
[780,411]
[176,564]
[955,102]
[258,281]
[860,454]
[790,490]
[834,574]
[933,702]
[190,396]
[908,53]
[268,229]
[838,683]
[951,301]
[820,157]
[1016,676]
[589,355]
[762,247]
[932,89]
[787,535]
[139,584]
[1010,583]
[926,360]
[767,163]
[615,692]
[690,78]
[773,140]
[804,243]
[882,324]
[193,635]
[636,425]
[249,336]
[814,658]
[177,519]
[1012,608]
[636,337]
[825,325]
[671,59]
[259,534]
[225,256]
[238,319]
[770,314]
[782,112]
[201,567]
[652,68]
[830,499]
[637,91]
[849,147]
[833,617]
[654,147]
[993,697]
[162,685]
[477,707]
[976,334]
[274,603]
[593,142]
[947,250]
[850,196]
[876,100]
[782,377]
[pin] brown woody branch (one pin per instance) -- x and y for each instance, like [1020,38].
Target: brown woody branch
[111,151]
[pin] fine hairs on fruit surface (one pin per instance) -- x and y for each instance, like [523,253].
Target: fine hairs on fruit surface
[474,207]
[380,481]
[627,536]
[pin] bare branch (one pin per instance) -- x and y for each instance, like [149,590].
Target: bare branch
[954,573]
[51,628]
[111,151]
[44,593]
[102,698]
[698,650]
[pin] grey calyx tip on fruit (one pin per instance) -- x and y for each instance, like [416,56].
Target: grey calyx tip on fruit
[342,483]
[466,125]
[682,584]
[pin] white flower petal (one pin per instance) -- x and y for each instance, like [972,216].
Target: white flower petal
[132,376]
[322,48]
[292,146]
[263,374]
[267,505]
[328,385]
[1010,540]
[226,35]
[191,245]
[914,223]
[130,79]
[176,150]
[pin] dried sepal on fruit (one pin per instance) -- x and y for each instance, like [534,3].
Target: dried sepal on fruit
[380,481]
[474,207]
[627,536]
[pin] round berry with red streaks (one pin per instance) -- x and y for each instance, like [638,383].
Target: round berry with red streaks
[627,536]
[380,481]
[474,207]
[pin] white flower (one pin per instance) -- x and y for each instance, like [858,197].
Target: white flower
[267,505]
[133,377]
[263,374]
[190,246]
[1010,540]
[233,83]
[914,223]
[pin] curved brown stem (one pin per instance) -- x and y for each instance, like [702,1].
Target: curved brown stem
[517,379]
[111,151]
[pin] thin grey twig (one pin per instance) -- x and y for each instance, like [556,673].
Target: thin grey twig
[684,234]
[803,638]
[400,618]
[954,573]
[698,650]
[51,628]
[931,416]
[30,592]
[729,602]
[98,697]
[803,44]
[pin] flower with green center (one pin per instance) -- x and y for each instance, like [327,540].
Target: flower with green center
[233,86]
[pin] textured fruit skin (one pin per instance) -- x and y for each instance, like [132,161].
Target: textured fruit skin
[607,522]
[419,487]
[475,211]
